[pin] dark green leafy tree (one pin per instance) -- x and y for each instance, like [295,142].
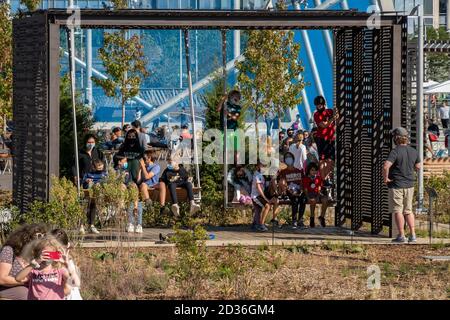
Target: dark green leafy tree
[84,125]
[5,62]
[32,5]
[438,64]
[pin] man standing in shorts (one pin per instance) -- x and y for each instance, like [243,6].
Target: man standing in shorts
[398,174]
[325,138]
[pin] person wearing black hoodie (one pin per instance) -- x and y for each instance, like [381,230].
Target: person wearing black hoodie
[133,151]
[175,175]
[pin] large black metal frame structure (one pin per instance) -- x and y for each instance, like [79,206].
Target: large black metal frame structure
[370,92]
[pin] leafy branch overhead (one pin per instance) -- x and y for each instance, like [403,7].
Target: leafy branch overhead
[270,76]
[125,63]
[6,74]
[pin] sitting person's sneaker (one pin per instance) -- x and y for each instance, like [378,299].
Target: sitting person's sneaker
[274,222]
[301,225]
[312,224]
[175,209]
[399,239]
[164,210]
[148,202]
[138,229]
[327,183]
[412,239]
[82,231]
[194,207]
[93,229]
[262,227]
[130,228]
[294,225]
[322,222]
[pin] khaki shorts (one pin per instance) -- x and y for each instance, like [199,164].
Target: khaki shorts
[401,200]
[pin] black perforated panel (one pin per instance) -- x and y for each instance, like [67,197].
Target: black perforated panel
[30,110]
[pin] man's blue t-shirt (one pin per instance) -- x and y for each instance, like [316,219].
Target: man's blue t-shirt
[156,169]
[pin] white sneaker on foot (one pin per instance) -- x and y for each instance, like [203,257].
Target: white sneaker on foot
[130,228]
[176,210]
[194,207]
[93,229]
[138,229]
[82,231]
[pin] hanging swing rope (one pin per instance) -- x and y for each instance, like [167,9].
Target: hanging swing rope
[191,105]
[71,48]
[224,118]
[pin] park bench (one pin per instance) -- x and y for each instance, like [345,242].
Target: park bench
[436,167]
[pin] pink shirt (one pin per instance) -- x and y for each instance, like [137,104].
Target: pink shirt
[46,286]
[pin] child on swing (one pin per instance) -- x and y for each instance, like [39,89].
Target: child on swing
[312,186]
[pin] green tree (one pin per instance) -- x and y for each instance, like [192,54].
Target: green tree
[6,61]
[32,5]
[438,64]
[125,63]
[269,77]
[124,60]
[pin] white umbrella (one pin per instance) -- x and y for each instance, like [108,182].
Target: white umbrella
[429,84]
[443,87]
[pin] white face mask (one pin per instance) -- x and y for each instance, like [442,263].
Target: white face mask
[289,162]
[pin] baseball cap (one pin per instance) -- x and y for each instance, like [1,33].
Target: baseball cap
[399,131]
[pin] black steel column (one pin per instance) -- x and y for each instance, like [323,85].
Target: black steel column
[30,109]
[382,124]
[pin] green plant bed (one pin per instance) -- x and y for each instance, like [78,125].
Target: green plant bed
[426,234]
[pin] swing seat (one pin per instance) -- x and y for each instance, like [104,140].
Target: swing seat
[181,194]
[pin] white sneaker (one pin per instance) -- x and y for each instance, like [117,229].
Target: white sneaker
[138,229]
[93,229]
[194,207]
[130,228]
[82,231]
[176,210]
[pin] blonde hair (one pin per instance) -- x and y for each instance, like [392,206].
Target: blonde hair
[34,249]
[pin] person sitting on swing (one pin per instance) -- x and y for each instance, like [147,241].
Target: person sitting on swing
[175,176]
[264,198]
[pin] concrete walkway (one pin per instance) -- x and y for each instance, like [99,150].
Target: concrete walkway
[241,235]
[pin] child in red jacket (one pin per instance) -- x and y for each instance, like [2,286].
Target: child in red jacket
[312,185]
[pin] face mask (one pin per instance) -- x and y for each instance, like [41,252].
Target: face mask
[125,165]
[290,134]
[170,167]
[289,161]
[90,146]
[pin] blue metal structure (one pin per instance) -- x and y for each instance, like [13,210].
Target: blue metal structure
[165,52]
